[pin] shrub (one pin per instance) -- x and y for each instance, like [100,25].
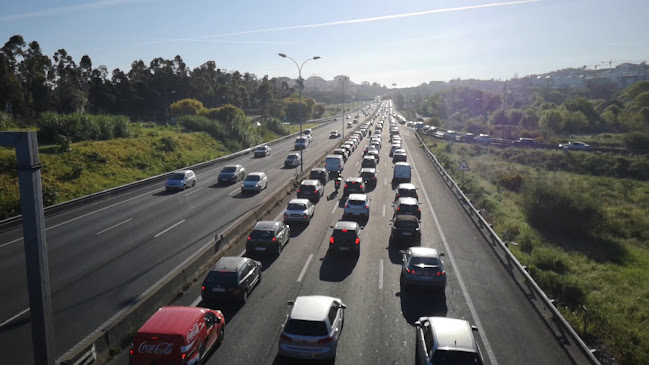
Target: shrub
[81,127]
[512,182]
[5,121]
[168,144]
[636,141]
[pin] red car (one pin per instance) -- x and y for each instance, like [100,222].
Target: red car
[177,336]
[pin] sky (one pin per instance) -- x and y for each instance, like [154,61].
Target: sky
[390,42]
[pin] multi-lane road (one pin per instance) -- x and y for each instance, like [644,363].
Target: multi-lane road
[379,320]
[104,255]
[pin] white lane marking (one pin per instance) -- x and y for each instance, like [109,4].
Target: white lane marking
[449,254]
[242,253]
[196,301]
[357,163]
[381,274]
[384,210]
[10,242]
[111,227]
[306,265]
[169,228]
[194,191]
[280,215]
[334,209]
[385,164]
[91,213]
[234,192]
[269,171]
[385,181]
[14,317]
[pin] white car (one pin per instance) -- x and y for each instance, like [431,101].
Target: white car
[312,328]
[575,146]
[299,210]
[357,205]
[255,181]
[334,134]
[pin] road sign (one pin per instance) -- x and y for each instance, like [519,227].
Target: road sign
[464,166]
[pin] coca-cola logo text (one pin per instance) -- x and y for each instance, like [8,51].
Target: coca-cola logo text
[193,332]
[162,348]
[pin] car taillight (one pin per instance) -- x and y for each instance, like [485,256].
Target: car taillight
[249,238]
[274,239]
[236,291]
[345,185]
[410,271]
[331,240]
[202,287]
[315,191]
[285,215]
[298,190]
[184,356]
[346,206]
[325,340]
[441,273]
[361,186]
[398,208]
[367,207]
[358,240]
[131,352]
[305,216]
[285,337]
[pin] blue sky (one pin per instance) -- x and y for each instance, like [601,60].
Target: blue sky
[473,42]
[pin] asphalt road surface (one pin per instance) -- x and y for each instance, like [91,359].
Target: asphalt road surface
[379,320]
[104,255]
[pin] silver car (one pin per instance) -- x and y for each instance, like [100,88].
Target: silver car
[255,181]
[442,340]
[292,160]
[357,205]
[181,180]
[312,328]
[422,266]
[299,210]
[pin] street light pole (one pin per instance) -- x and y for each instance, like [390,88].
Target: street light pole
[343,103]
[299,71]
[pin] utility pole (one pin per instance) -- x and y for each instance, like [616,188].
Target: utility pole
[343,102]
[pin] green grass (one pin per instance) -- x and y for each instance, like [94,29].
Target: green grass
[607,270]
[94,166]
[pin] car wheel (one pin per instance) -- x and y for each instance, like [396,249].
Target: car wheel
[244,296]
[184,187]
[279,248]
[194,183]
[221,335]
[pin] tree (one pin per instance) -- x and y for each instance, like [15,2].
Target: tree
[186,107]
[552,122]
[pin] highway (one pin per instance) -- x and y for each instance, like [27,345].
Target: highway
[103,255]
[379,320]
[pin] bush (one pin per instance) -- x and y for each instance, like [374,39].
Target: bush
[168,144]
[512,182]
[275,125]
[5,121]
[636,141]
[81,127]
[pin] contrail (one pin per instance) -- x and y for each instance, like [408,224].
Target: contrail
[69,9]
[373,19]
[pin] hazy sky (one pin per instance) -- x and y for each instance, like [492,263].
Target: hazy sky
[402,42]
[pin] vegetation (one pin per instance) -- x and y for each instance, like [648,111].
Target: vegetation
[580,221]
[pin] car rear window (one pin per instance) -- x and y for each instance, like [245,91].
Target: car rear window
[405,224]
[261,235]
[306,328]
[228,279]
[295,206]
[428,261]
[347,235]
[291,157]
[443,357]
[252,178]
[406,209]
[407,193]
[367,174]
[229,169]
[307,188]
[356,202]
[261,149]
[177,177]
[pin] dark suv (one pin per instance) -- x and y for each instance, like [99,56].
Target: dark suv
[407,206]
[406,228]
[354,185]
[268,236]
[231,278]
[346,237]
[310,189]
[319,173]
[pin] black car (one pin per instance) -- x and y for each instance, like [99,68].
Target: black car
[232,174]
[268,236]
[233,277]
[369,175]
[346,237]
[369,161]
[310,189]
[320,174]
[354,185]
[406,228]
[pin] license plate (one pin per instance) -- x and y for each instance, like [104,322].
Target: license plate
[407,233]
[344,249]
[260,248]
[305,355]
[218,290]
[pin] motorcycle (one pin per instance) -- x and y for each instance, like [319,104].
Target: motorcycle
[333,175]
[338,181]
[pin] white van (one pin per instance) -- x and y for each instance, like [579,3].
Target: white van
[402,172]
[334,163]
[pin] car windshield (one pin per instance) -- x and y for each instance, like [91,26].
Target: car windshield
[449,357]
[346,235]
[295,206]
[407,193]
[291,157]
[306,328]
[252,178]
[307,188]
[262,149]
[261,235]
[229,169]
[177,177]
[227,279]
[356,202]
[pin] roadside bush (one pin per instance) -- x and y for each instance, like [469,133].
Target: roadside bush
[512,182]
[168,144]
[275,125]
[636,141]
[81,127]
[5,121]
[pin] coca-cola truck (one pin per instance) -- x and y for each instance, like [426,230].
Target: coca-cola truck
[177,336]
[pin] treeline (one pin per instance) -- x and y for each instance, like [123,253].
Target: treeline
[32,83]
[536,112]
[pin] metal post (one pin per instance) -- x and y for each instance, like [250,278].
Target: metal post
[31,204]
[301,136]
[343,103]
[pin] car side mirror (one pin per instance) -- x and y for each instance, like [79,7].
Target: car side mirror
[418,323]
[217,320]
[290,302]
[442,254]
[474,328]
[331,226]
[402,252]
[420,221]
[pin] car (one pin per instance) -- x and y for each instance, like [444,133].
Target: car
[374,153]
[173,333]
[348,117]
[310,189]
[232,277]
[368,161]
[466,137]
[369,175]
[346,237]
[308,133]
[394,148]
[406,205]
[181,180]
[262,151]
[482,138]
[299,210]
[301,143]
[334,134]
[394,138]
[355,121]
[342,152]
[232,174]
[292,160]
[312,328]
[405,190]
[575,146]
[525,142]
[334,164]
[422,266]
[349,124]
[347,147]
[354,185]
[357,205]
[405,228]
[399,155]
[443,340]
[320,174]
[268,237]
[255,182]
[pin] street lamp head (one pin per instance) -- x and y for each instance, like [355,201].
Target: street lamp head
[282,55]
[317,57]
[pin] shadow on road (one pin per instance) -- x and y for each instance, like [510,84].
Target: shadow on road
[417,303]
[221,185]
[288,361]
[229,308]
[297,229]
[246,195]
[337,266]
[266,259]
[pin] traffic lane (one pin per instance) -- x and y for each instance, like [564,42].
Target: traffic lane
[506,314]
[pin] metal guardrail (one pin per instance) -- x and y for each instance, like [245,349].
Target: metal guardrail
[516,269]
[67,205]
